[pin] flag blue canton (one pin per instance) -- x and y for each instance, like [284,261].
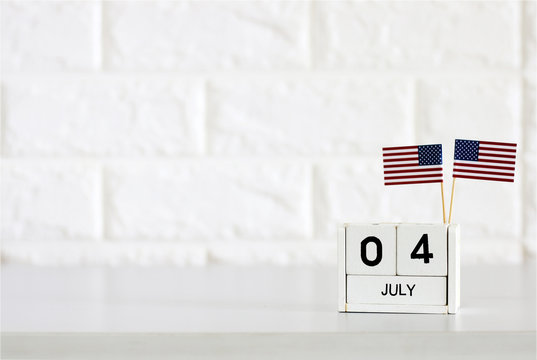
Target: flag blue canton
[430,154]
[467,150]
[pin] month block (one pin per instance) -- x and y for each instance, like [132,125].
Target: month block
[370,249]
[408,268]
[422,249]
[417,290]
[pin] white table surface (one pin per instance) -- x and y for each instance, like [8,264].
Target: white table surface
[234,312]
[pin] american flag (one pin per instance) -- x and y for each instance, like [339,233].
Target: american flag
[484,160]
[418,164]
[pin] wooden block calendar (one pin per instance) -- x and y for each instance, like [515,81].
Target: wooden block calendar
[401,268]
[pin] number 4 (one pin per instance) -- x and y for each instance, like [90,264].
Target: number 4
[426,255]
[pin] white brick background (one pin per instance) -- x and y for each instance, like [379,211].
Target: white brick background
[243,132]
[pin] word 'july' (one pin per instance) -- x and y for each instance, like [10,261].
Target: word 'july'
[397,289]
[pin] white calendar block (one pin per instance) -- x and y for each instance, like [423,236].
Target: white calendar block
[401,268]
[415,290]
[422,249]
[370,249]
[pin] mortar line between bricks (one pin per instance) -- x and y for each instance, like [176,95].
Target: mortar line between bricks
[310,64]
[203,126]
[100,206]
[523,202]
[207,159]
[414,109]
[270,74]
[98,36]
[311,201]
[157,241]
[2,120]
[519,39]
[219,241]
[523,158]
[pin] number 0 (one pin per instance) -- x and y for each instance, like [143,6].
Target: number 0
[426,255]
[363,250]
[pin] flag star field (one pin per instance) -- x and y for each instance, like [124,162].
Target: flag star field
[430,154]
[466,150]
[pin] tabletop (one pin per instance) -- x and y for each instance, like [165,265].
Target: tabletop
[197,311]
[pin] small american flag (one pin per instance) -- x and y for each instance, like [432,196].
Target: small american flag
[484,160]
[418,164]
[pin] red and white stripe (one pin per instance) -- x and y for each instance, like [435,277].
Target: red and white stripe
[496,162]
[401,166]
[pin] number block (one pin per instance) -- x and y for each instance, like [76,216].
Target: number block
[370,249]
[422,250]
[404,268]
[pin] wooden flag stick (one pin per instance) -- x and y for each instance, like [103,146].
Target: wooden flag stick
[451,203]
[443,207]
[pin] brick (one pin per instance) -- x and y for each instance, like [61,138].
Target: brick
[50,200]
[205,35]
[102,116]
[312,116]
[52,35]
[207,200]
[404,35]
[481,108]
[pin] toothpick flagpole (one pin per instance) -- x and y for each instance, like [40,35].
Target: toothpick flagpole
[451,203]
[443,207]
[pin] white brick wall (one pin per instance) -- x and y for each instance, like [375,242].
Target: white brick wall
[190,133]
